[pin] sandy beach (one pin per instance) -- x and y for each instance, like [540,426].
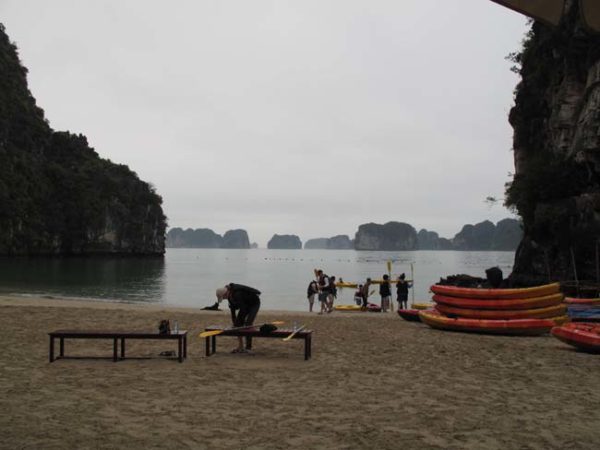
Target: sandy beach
[375,381]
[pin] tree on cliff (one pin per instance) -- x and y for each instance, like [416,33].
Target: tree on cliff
[57,196]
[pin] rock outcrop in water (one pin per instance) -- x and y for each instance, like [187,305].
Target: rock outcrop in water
[505,235]
[390,236]
[236,239]
[430,240]
[57,196]
[556,186]
[340,242]
[284,241]
[206,238]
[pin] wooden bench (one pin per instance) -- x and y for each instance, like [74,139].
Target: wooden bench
[180,336]
[211,341]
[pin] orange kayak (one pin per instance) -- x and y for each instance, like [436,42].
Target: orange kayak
[513,303]
[582,301]
[581,335]
[537,313]
[522,327]
[455,291]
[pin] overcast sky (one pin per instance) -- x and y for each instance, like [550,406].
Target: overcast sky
[305,117]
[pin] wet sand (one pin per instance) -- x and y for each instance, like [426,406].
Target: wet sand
[375,381]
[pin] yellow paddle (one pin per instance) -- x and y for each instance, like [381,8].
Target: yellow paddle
[300,328]
[217,332]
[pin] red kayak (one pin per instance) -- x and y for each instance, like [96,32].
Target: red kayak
[412,315]
[582,301]
[516,303]
[520,327]
[581,335]
[455,291]
[539,313]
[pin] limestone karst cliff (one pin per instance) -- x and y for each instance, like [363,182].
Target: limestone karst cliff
[57,196]
[556,185]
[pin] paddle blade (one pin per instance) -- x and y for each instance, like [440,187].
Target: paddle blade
[210,333]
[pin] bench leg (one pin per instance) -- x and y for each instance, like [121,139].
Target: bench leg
[213,340]
[123,348]
[307,348]
[115,349]
[51,349]
[207,349]
[180,348]
[185,346]
[62,347]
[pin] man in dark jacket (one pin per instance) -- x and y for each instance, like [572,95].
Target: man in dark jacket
[244,303]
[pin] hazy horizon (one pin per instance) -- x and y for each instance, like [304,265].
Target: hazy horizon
[306,118]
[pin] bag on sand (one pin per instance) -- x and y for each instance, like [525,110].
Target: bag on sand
[267,328]
[164,327]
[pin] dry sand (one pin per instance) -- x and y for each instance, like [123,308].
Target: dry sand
[375,381]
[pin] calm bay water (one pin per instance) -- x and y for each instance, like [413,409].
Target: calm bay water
[189,277]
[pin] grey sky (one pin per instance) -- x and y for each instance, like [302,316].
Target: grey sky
[293,117]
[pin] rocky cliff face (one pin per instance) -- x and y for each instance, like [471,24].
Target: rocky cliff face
[556,117]
[284,241]
[57,196]
[236,239]
[390,236]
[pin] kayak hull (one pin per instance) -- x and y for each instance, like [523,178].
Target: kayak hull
[455,291]
[581,335]
[538,313]
[509,304]
[518,327]
[412,315]
[582,301]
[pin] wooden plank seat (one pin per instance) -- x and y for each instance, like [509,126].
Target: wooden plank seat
[180,337]
[211,341]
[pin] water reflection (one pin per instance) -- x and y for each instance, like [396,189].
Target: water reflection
[125,279]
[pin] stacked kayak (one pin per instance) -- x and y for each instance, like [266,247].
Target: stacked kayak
[583,309]
[581,335]
[521,311]
[516,327]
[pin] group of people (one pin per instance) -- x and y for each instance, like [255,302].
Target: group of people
[324,289]
[385,292]
[244,301]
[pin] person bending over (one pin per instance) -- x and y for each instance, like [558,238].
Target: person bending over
[244,303]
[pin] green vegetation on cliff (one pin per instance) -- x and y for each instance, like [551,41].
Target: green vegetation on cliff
[57,196]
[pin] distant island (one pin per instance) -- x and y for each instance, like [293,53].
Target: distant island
[391,236]
[505,236]
[207,238]
[284,241]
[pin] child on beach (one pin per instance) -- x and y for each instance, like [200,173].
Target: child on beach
[365,293]
[402,287]
[385,292]
[311,292]
[358,295]
[332,294]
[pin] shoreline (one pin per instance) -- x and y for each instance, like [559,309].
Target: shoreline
[374,381]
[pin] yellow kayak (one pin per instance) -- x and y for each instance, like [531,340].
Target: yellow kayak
[346,285]
[422,306]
